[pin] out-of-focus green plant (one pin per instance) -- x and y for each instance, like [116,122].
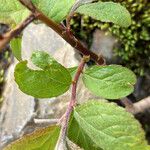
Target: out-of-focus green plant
[134,41]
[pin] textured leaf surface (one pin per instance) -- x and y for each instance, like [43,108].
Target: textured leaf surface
[111,82]
[99,125]
[78,3]
[16,48]
[57,10]
[12,12]
[107,12]
[52,80]
[43,139]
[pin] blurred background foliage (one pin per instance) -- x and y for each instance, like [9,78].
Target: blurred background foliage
[134,41]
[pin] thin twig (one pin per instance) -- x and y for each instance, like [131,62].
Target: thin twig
[71,40]
[76,5]
[7,37]
[127,102]
[140,106]
[64,34]
[72,102]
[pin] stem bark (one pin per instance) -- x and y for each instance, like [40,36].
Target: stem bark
[7,37]
[72,103]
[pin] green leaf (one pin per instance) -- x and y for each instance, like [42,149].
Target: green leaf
[107,12]
[111,82]
[44,61]
[79,136]
[42,139]
[99,125]
[16,48]
[52,80]
[57,10]
[12,12]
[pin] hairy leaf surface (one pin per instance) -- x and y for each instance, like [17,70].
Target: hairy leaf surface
[57,10]
[52,80]
[12,12]
[99,125]
[107,12]
[16,48]
[111,82]
[42,139]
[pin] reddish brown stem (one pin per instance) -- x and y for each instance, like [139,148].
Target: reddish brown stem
[63,32]
[6,38]
[68,21]
[72,102]
[71,39]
